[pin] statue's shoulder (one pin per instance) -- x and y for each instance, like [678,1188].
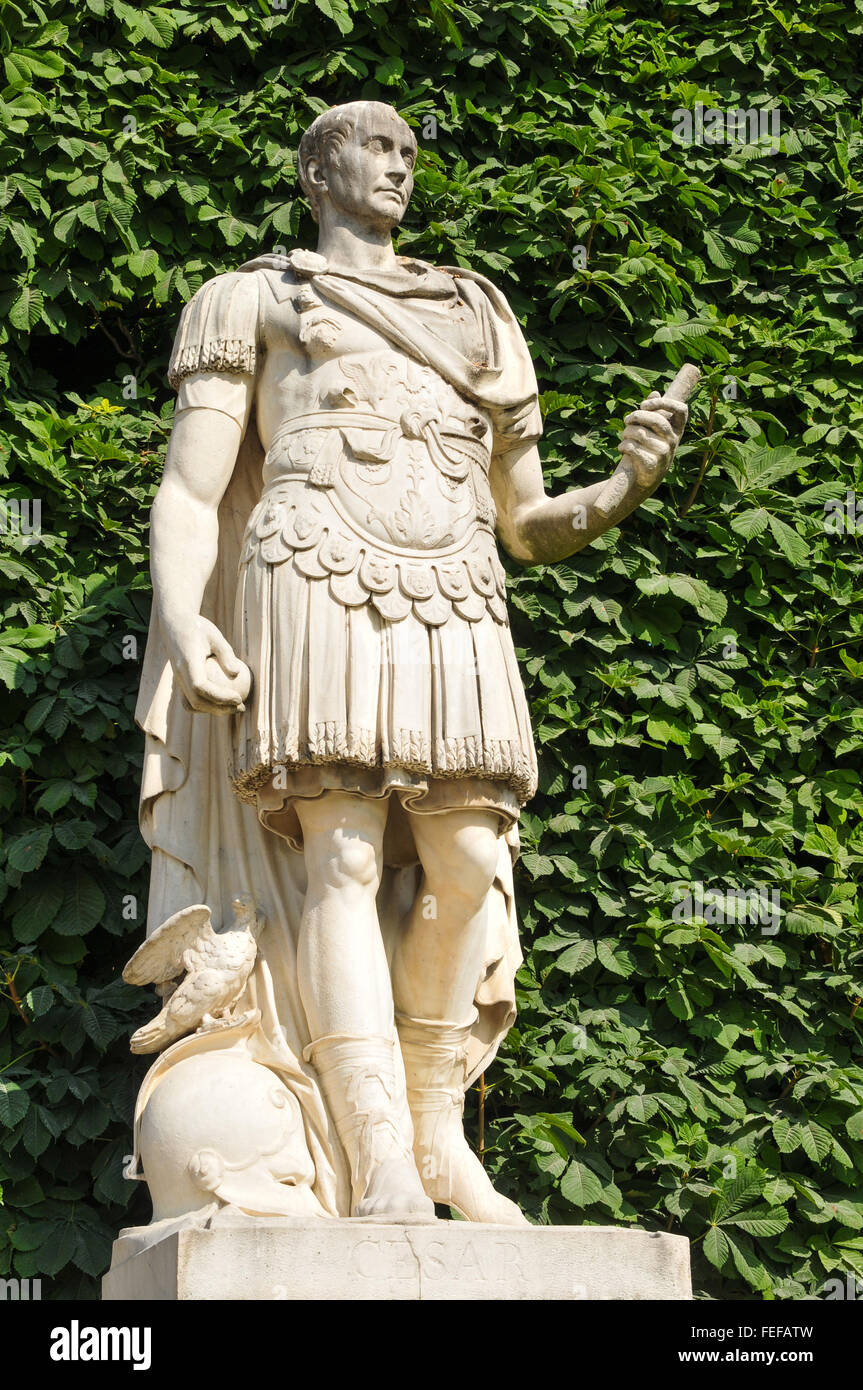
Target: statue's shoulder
[458,278]
[484,295]
[274,268]
[473,280]
[219,329]
[225,295]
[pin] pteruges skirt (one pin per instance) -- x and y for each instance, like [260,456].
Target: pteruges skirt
[346,697]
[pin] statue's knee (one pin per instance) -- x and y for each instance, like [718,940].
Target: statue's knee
[348,863]
[469,869]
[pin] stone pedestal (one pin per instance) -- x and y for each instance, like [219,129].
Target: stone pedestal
[438,1261]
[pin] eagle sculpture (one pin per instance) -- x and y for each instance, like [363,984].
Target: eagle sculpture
[217,965]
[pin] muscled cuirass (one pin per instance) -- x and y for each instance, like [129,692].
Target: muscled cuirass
[376,469]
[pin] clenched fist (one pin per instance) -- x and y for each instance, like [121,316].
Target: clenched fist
[211,677]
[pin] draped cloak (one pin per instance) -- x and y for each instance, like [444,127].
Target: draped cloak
[207,845]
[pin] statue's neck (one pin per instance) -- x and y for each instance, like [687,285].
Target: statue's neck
[355,245]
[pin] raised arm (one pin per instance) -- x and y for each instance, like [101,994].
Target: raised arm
[537,529]
[184,538]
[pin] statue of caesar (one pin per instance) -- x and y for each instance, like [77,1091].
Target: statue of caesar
[364,676]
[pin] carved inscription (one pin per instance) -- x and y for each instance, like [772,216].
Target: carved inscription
[398,1258]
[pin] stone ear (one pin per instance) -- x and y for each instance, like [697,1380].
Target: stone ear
[206,1168]
[315,175]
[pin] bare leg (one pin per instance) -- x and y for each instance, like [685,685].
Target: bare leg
[342,967]
[435,974]
[440,952]
[347,996]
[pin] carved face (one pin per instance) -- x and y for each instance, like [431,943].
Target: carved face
[368,174]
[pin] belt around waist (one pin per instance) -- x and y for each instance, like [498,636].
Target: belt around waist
[374,438]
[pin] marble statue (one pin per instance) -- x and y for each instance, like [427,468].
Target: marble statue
[338,744]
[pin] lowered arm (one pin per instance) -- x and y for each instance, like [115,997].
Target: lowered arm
[184,538]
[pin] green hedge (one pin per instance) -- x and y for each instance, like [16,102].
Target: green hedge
[701,664]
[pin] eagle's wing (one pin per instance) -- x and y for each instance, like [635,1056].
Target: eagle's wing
[160,957]
[200,994]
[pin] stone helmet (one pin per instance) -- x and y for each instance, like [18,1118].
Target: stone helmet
[220,1126]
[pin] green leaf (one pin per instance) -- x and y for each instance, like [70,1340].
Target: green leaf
[27,308]
[576,958]
[92,1250]
[82,907]
[74,834]
[144,263]
[39,1000]
[59,1247]
[706,601]
[716,1247]
[41,64]
[615,958]
[678,1002]
[761,1221]
[580,1185]
[740,1192]
[669,731]
[721,743]
[14,1103]
[40,905]
[793,546]
[642,1108]
[338,11]
[26,852]
[99,1025]
[717,252]
[55,796]
[747,1264]
[764,467]
[786,1136]
[750,523]
[389,71]
[854,1125]
[37,1133]
[815,1141]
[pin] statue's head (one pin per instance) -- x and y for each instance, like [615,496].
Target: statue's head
[358,160]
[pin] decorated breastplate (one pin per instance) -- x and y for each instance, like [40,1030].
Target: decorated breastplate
[385,489]
[405,456]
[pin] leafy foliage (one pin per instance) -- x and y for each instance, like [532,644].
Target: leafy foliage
[694,676]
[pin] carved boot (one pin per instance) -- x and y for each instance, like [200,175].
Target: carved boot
[435,1056]
[365,1094]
